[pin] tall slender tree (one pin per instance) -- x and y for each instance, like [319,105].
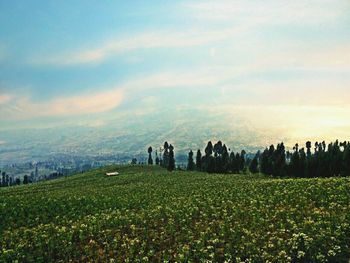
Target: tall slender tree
[225,159]
[25,179]
[150,160]
[166,155]
[171,161]
[253,166]
[190,163]
[199,160]
[346,159]
[264,162]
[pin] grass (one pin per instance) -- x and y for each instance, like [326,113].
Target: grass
[148,214]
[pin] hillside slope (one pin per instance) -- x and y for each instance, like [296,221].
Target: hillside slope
[147,214]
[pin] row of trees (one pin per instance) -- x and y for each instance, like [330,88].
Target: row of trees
[217,159]
[321,161]
[166,158]
[7,180]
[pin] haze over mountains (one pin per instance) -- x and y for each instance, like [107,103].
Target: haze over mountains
[114,78]
[129,137]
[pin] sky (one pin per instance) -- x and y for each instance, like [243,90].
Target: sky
[279,65]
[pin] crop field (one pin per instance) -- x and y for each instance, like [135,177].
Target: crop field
[150,215]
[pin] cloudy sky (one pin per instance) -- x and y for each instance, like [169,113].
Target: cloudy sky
[277,64]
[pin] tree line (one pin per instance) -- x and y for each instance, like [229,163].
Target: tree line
[7,180]
[166,157]
[318,160]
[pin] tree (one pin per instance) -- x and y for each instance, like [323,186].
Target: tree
[199,160]
[271,160]
[171,162]
[208,161]
[18,181]
[253,167]
[133,161]
[190,163]
[295,162]
[25,179]
[308,162]
[346,159]
[237,163]
[264,162]
[302,163]
[308,149]
[242,160]
[209,149]
[3,179]
[150,160]
[225,159]
[279,161]
[166,155]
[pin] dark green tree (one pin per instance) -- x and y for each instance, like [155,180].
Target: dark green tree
[279,161]
[253,166]
[166,155]
[346,159]
[18,181]
[190,162]
[171,161]
[209,149]
[199,160]
[242,160]
[302,163]
[150,160]
[225,159]
[231,164]
[3,179]
[25,179]
[295,162]
[264,162]
[308,162]
[208,161]
[237,163]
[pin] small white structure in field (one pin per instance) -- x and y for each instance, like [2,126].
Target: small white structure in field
[112,174]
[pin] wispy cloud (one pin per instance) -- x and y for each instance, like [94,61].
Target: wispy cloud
[270,11]
[25,108]
[150,40]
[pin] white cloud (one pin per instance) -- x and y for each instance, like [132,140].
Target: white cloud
[25,108]
[151,40]
[269,11]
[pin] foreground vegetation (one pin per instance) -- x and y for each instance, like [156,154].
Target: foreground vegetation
[148,214]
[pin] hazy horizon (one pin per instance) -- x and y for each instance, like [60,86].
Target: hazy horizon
[248,72]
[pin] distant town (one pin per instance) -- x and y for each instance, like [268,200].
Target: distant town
[61,165]
[54,167]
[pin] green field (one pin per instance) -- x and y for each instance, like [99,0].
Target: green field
[148,215]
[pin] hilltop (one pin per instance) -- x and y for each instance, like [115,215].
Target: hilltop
[149,214]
